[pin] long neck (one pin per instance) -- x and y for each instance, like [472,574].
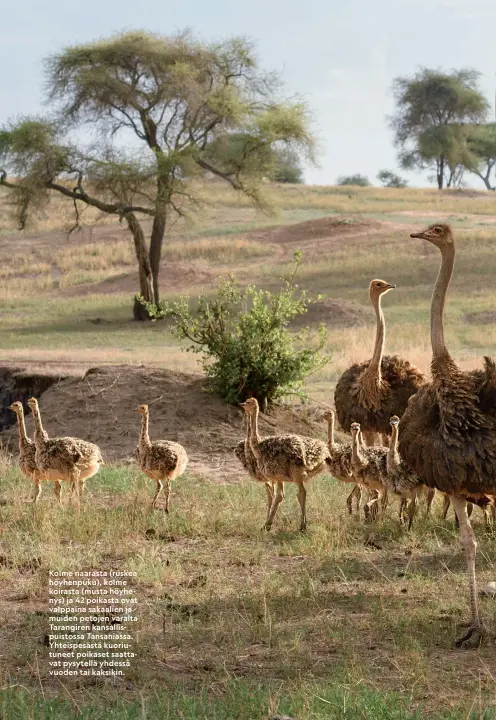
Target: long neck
[254,436]
[380,335]
[393,458]
[356,458]
[39,434]
[23,436]
[144,437]
[439,350]
[330,432]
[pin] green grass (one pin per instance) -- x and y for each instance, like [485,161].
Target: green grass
[347,620]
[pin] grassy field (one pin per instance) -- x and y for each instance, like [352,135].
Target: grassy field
[346,621]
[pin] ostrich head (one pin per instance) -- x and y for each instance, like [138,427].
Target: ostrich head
[250,405]
[17,407]
[394,421]
[142,409]
[438,234]
[378,288]
[33,404]
[355,428]
[328,414]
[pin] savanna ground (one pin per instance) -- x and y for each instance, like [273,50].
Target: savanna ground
[348,620]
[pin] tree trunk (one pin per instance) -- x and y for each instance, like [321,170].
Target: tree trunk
[156,242]
[145,273]
[440,173]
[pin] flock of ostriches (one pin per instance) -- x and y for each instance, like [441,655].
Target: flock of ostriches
[409,436]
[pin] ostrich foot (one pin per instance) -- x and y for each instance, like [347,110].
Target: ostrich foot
[474,636]
[303,527]
[266,527]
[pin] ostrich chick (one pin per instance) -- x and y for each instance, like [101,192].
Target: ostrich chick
[66,458]
[370,469]
[162,460]
[27,452]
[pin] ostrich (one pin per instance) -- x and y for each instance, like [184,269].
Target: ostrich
[64,458]
[340,462]
[369,466]
[248,460]
[447,434]
[161,460]
[371,392]
[402,481]
[284,458]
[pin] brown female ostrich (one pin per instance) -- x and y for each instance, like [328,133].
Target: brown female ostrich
[447,434]
[371,392]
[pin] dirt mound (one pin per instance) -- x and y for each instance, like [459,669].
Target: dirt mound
[321,228]
[334,313]
[175,275]
[485,317]
[101,407]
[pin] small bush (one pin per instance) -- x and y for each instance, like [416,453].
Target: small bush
[360,180]
[390,179]
[243,336]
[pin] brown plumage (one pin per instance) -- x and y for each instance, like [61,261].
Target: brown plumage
[162,460]
[447,434]
[64,458]
[284,458]
[370,469]
[370,392]
[402,481]
[247,458]
[340,462]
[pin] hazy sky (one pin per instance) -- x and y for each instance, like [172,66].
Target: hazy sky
[339,55]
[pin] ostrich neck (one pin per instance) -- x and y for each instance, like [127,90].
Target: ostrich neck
[23,436]
[356,457]
[253,434]
[439,350]
[393,458]
[144,437]
[374,369]
[330,433]
[39,434]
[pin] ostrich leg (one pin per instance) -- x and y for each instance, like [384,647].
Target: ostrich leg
[278,498]
[302,499]
[269,487]
[468,542]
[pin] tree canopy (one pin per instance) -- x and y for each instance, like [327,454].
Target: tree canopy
[161,111]
[431,109]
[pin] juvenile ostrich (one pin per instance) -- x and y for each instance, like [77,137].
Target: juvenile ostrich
[64,458]
[161,460]
[447,434]
[340,462]
[284,458]
[402,481]
[485,502]
[27,452]
[246,457]
[370,469]
[370,392]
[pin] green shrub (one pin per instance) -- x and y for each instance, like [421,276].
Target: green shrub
[243,336]
[360,180]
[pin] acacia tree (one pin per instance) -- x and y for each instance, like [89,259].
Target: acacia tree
[481,143]
[428,104]
[159,110]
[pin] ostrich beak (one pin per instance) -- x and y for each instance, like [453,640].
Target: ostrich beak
[419,235]
[391,287]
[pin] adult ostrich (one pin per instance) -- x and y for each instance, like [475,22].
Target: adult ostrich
[447,434]
[371,392]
